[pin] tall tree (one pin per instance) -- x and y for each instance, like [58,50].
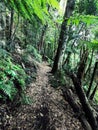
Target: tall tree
[63,34]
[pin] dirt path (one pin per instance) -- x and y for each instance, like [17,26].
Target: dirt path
[48,110]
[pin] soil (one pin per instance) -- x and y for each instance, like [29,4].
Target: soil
[48,110]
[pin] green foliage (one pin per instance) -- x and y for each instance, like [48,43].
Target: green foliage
[51,38]
[87,19]
[59,79]
[85,88]
[91,44]
[28,9]
[26,99]
[87,7]
[34,52]
[12,78]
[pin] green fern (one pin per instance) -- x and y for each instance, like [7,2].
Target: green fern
[34,52]
[30,8]
[87,19]
[90,44]
[10,73]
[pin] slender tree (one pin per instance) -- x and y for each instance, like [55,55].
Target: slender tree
[93,93]
[93,75]
[63,34]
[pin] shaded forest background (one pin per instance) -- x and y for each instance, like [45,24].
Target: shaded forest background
[63,33]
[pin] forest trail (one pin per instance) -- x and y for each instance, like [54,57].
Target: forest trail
[48,111]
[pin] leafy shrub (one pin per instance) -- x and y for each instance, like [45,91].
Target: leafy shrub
[34,52]
[12,77]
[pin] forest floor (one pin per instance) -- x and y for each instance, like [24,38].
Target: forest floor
[48,110]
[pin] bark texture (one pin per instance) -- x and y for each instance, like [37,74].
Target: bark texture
[63,34]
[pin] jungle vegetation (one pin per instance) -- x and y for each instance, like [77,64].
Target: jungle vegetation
[62,32]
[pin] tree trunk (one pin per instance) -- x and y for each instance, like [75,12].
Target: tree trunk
[66,62]
[93,93]
[82,97]
[7,31]
[89,66]
[69,96]
[41,42]
[2,24]
[82,65]
[61,42]
[85,104]
[93,75]
[11,24]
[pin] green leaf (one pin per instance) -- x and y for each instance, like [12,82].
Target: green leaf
[91,44]
[6,89]
[28,9]
[54,3]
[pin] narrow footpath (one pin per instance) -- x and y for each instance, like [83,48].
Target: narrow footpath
[48,111]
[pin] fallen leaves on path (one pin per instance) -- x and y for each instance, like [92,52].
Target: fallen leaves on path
[48,111]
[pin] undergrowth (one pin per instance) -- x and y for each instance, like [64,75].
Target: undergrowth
[12,78]
[34,52]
